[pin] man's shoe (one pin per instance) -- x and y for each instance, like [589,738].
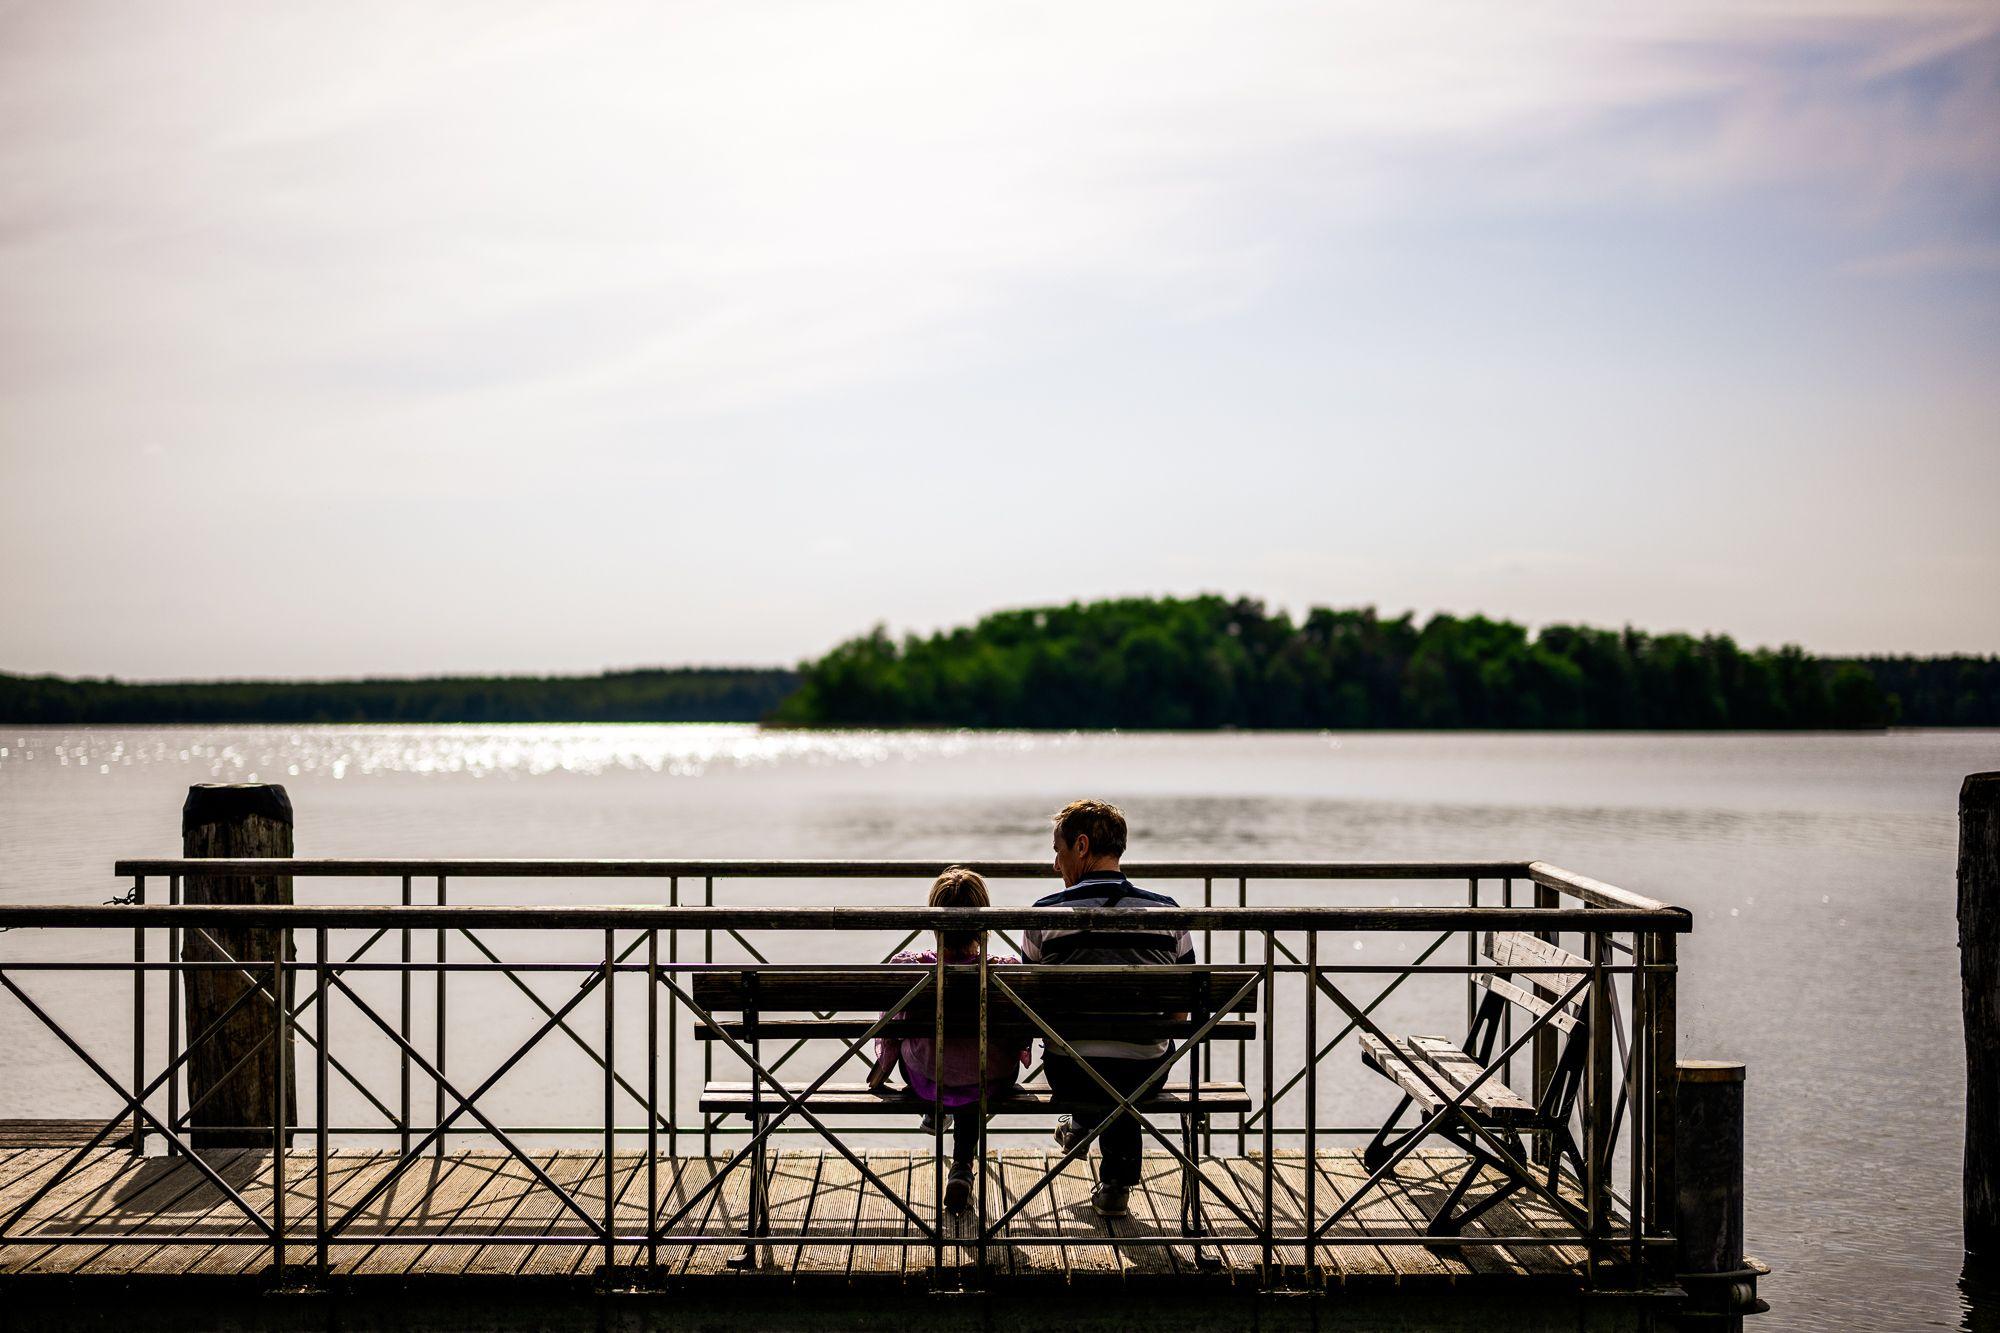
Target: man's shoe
[1066,1133]
[1110,1200]
[958,1190]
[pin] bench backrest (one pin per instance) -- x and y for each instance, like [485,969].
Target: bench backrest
[1536,992]
[1060,995]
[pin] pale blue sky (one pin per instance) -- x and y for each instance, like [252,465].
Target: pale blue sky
[339,339]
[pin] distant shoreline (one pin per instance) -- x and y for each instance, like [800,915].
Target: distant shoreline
[1203,664]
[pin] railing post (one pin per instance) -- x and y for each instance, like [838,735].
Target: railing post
[610,1101]
[1664,1128]
[403,1025]
[282,1023]
[673,1029]
[653,1100]
[1207,956]
[1270,1103]
[173,1015]
[139,1017]
[1597,1112]
[438,1027]
[321,1023]
[708,1047]
[1312,1095]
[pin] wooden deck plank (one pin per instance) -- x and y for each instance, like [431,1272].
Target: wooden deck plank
[731,1208]
[425,1195]
[1418,1185]
[818,1191]
[536,1215]
[153,1193]
[630,1218]
[575,1255]
[1145,1220]
[794,1181]
[351,1174]
[75,1199]
[1525,1211]
[1014,1174]
[1335,1263]
[693,1174]
[837,1208]
[1248,1175]
[28,1168]
[508,1186]
[1079,1218]
[1375,1215]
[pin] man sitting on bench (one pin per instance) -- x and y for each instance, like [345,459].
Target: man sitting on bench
[1089,840]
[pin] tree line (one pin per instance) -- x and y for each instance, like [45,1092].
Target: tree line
[689,694]
[1197,662]
[1210,661]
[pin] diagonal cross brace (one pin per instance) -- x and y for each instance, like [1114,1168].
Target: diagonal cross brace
[465,1107]
[1455,1104]
[258,988]
[1369,1008]
[133,1104]
[582,1043]
[795,1103]
[1122,1103]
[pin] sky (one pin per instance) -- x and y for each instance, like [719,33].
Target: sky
[344,339]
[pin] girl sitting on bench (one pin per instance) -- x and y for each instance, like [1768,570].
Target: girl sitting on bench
[956,887]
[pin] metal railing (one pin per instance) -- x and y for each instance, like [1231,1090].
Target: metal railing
[1623,1108]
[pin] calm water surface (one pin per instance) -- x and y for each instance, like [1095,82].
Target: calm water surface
[1819,869]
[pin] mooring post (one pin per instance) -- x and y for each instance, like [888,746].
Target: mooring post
[236,1065]
[1708,1177]
[1979,977]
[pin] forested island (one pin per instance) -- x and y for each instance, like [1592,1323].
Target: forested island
[1219,662]
[1143,663]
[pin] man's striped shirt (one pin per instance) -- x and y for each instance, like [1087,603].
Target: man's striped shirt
[1120,944]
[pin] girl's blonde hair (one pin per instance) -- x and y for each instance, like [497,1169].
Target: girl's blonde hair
[960,887]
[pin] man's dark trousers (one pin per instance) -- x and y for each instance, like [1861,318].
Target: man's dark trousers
[1122,1142]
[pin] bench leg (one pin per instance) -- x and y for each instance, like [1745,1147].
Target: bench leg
[1380,1149]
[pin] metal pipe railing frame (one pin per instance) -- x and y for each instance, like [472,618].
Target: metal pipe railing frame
[1626,938]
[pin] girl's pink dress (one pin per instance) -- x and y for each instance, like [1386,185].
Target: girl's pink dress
[961,1054]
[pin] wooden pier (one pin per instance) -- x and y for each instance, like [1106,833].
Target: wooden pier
[207,1266]
[1532,1176]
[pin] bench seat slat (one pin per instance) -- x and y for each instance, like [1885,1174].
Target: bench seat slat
[1394,1063]
[1461,1069]
[859,1099]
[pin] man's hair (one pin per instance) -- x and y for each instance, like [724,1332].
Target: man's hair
[959,887]
[1100,821]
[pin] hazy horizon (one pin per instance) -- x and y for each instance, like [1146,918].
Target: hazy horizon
[412,340]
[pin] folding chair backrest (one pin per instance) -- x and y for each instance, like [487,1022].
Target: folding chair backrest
[1536,992]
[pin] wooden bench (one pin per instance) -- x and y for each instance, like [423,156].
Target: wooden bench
[750,1006]
[1454,1066]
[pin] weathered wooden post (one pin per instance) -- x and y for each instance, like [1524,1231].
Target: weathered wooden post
[1708,1188]
[236,1063]
[1979,976]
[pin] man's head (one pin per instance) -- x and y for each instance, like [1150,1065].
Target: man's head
[1089,835]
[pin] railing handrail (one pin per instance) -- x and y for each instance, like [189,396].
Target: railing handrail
[658,868]
[640,916]
[1593,891]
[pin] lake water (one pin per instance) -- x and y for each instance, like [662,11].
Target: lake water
[1819,869]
